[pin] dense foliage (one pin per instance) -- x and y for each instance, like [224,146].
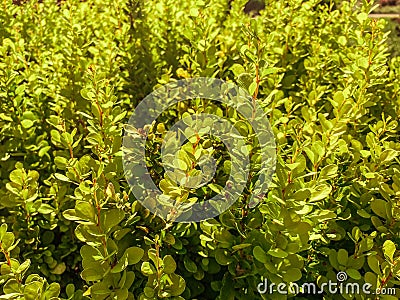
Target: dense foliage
[70,74]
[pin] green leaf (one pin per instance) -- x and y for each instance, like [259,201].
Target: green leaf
[222,257]
[354,274]
[7,240]
[46,209]
[363,62]
[194,12]
[92,274]
[61,162]
[237,69]
[292,275]
[90,253]
[389,248]
[149,292]
[328,172]
[69,290]
[388,155]
[363,214]
[320,192]
[378,206]
[342,257]
[169,264]
[215,187]
[119,234]
[189,265]
[85,211]
[70,214]
[277,252]
[178,285]
[52,291]
[17,176]
[111,218]
[362,17]
[260,254]
[338,98]
[134,255]
[148,269]
[43,151]
[3,230]
[27,123]
[373,263]
[180,164]
[23,267]
[61,177]
[11,286]
[121,265]
[227,291]
[4,117]
[342,40]
[301,194]
[33,290]
[59,269]
[85,232]
[240,246]
[87,94]
[121,294]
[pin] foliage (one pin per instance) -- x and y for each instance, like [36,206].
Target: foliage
[70,73]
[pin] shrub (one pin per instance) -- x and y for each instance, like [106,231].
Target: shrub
[72,72]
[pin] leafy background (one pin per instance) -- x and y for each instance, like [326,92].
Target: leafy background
[72,70]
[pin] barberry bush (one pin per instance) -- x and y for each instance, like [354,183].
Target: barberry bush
[71,73]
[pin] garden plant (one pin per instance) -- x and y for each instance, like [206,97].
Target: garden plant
[71,75]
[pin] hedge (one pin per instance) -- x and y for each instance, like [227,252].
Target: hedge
[71,74]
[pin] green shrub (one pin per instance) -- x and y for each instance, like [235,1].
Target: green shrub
[72,72]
